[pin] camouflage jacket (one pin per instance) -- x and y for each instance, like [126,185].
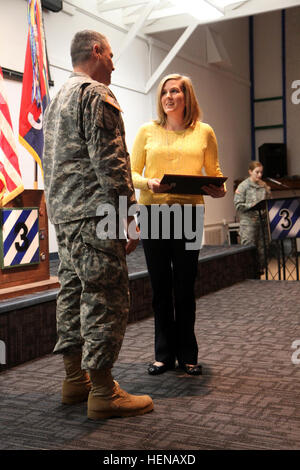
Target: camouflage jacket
[247,195]
[85,157]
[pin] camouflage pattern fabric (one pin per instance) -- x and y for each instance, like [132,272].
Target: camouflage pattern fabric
[93,300]
[252,234]
[86,164]
[247,195]
[85,158]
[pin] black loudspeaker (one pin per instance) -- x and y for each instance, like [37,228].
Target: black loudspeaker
[273,159]
[52,5]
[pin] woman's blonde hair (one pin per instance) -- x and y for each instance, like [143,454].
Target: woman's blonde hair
[192,111]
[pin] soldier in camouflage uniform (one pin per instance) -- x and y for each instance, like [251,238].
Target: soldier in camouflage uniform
[86,164]
[248,194]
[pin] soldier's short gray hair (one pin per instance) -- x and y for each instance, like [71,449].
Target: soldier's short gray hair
[82,45]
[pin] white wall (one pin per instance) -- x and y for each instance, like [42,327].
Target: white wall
[268,76]
[268,80]
[293,74]
[223,93]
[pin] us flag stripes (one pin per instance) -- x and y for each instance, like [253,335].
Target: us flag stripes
[10,176]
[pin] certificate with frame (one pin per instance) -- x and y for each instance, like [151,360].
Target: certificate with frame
[191,184]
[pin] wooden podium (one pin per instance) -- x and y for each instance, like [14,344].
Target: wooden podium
[25,246]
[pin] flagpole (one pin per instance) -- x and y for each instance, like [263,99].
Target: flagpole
[35,183]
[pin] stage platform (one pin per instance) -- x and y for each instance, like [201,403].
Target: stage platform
[27,322]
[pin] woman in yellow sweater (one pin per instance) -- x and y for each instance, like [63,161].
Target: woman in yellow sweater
[178,143]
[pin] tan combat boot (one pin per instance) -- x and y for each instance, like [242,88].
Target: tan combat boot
[76,385]
[107,399]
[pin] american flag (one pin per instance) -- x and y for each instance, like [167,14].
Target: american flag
[10,176]
[35,90]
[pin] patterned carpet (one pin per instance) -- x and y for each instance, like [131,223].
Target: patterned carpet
[248,397]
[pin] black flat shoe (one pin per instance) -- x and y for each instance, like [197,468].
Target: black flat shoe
[156,370]
[191,369]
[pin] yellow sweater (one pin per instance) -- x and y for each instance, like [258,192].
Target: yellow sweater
[159,151]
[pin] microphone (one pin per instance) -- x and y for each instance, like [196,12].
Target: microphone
[277,182]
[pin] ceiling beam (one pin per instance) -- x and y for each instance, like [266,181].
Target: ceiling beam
[117,4]
[170,56]
[155,15]
[212,4]
[215,49]
[167,24]
[234,6]
[136,28]
[129,15]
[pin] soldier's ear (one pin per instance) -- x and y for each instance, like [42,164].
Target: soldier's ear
[96,49]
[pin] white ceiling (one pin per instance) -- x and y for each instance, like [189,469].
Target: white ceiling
[154,16]
[159,20]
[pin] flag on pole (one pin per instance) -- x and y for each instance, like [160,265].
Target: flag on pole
[35,91]
[10,176]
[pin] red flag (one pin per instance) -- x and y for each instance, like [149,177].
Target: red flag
[10,176]
[35,91]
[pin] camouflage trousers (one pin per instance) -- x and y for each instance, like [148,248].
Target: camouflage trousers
[93,300]
[252,234]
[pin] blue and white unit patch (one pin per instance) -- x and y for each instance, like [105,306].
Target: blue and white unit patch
[20,237]
[284,218]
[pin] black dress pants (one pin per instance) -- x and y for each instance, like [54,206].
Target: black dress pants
[173,270]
